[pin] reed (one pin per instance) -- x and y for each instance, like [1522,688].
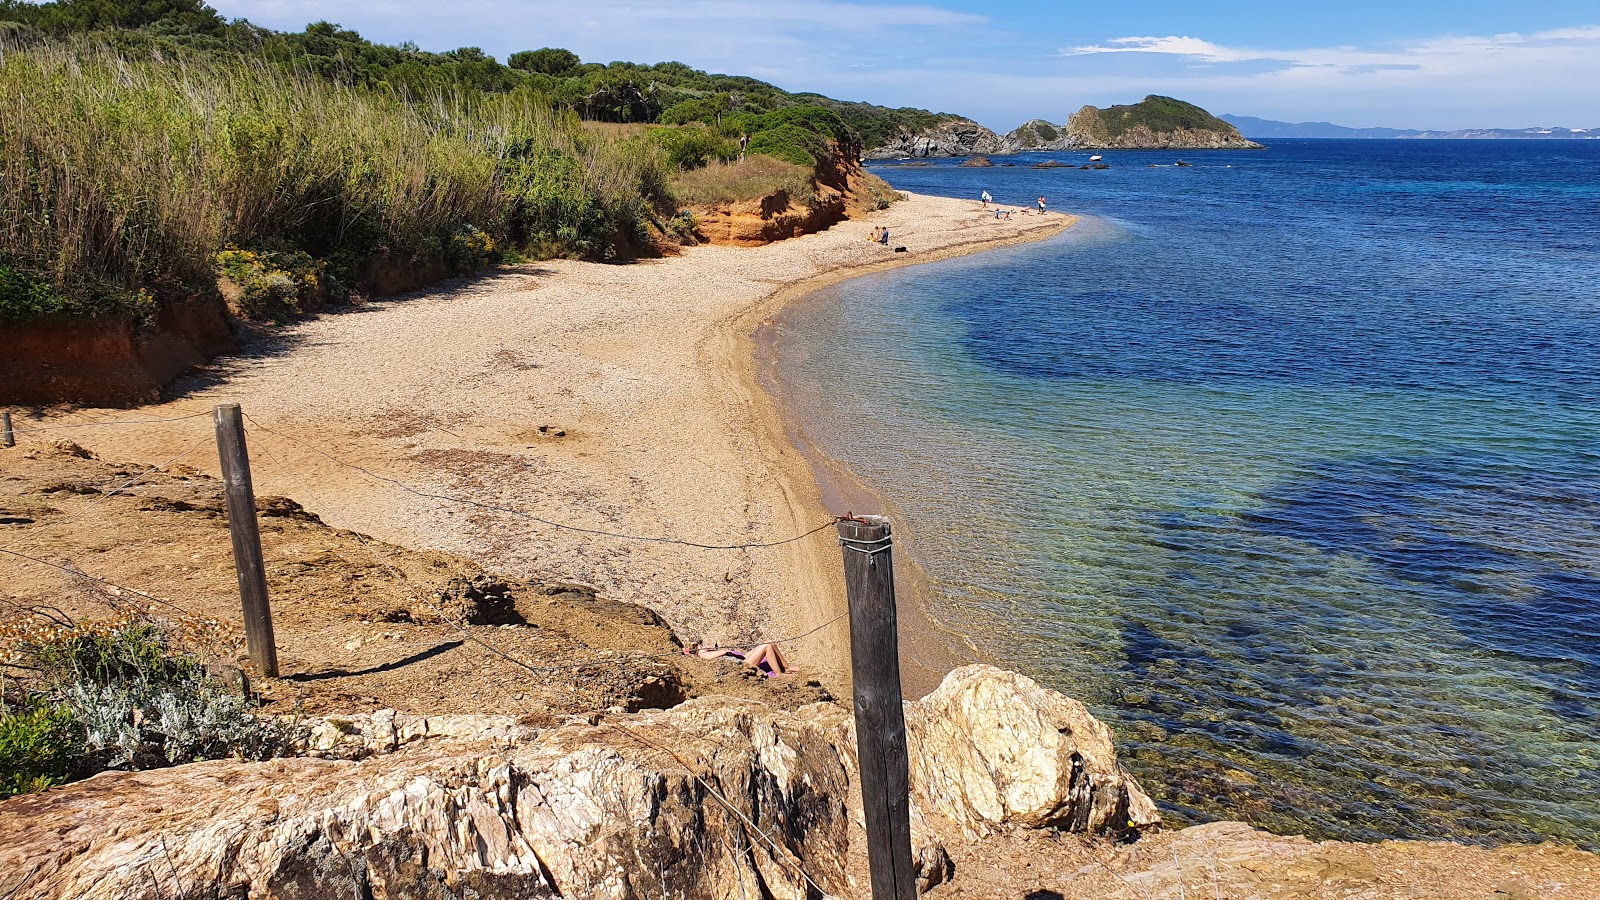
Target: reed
[124,177]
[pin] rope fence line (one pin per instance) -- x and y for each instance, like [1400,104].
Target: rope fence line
[74,570]
[745,824]
[493,507]
[464,629]
[29,533]
[107,424]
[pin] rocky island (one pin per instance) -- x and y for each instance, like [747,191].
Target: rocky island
[1154,123]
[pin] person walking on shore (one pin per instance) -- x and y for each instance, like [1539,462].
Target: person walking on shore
[1041,204]
[987,199]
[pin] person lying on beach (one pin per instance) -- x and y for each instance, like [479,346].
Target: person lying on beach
[762,657]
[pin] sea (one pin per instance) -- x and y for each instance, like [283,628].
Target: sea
[1285,462]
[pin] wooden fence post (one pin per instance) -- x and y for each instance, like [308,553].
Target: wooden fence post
[7,438]
[880,716]
[247,560]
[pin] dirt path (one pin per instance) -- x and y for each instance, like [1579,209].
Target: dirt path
[613,398]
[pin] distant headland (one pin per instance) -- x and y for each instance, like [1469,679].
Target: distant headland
[1269,129]
[1154,123]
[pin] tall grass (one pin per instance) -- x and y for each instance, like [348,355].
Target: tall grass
[123,178]
[755,176]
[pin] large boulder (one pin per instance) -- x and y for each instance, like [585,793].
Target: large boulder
[992,749]
[714,798]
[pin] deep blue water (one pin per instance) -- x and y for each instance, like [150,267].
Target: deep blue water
[1287,463]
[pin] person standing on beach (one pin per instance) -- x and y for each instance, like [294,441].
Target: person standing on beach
[986,199]
[1041,204]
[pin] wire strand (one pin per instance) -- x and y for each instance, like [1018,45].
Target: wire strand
[74,570]
[467,501]
[28,534]
[104,424]
[466,631]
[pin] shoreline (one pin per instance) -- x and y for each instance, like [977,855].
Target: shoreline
[619,399]
[929,648]
[811,479]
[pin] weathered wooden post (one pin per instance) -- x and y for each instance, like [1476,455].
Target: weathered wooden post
[880,717]
[7,438]
[247,560]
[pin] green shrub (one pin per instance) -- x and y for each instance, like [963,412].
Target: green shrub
[276,286]
[470,248]
[792,144]
[40,747]
[129,693]
[692,146]
[545,209]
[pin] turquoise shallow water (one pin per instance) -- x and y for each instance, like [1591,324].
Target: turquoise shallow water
[1287,464]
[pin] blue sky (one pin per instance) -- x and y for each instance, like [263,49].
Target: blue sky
[1400,63]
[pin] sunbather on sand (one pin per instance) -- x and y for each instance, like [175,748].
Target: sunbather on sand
[763,657]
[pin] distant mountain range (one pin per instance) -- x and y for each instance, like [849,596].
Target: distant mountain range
[1252,127]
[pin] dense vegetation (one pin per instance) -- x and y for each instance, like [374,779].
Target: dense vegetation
[147,146]
[1159,114]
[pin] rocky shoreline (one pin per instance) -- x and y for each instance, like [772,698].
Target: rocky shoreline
[1015,792]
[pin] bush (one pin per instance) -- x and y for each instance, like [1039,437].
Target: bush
[692,146]
[276,286]
[40,747]
[792,144]
[545,211]
[126,693]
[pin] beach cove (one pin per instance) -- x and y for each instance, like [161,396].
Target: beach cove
[619,399]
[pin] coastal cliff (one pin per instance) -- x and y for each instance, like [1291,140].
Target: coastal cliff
[955,137]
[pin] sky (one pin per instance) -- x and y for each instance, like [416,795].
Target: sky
[1364,63]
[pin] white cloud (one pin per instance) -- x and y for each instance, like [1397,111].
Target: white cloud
[1181,46]
[1454,54]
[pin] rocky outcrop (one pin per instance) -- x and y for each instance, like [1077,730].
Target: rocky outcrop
[1154,123]
[1037,134]
[954,137]
[715,798]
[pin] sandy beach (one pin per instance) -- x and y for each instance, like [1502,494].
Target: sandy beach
[620,401]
